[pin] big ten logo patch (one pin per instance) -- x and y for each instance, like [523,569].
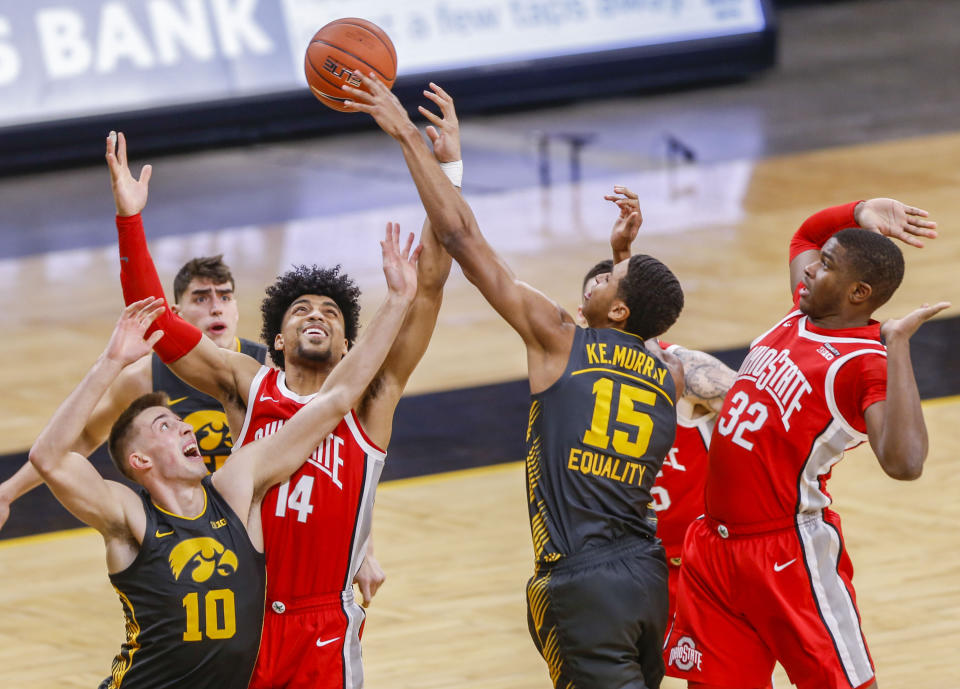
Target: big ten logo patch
[685,655]
[213,436]
[204,557]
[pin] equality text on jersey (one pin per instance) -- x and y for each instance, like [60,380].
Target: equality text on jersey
[773,370]
[326,457]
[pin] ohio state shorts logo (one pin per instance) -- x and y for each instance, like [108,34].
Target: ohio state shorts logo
[685,654]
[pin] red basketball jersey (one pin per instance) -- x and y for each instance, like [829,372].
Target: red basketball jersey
[797,404]
[678,492]
[316,525]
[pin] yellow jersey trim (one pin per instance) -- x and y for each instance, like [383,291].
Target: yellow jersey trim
[625,375]
[180,516]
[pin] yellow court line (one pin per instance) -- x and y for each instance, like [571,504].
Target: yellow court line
[43,537]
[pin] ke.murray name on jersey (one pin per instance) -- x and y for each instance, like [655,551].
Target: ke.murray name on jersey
[627,358]
[772,370]
[326,457]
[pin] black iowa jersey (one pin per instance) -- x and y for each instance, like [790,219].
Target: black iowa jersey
[596,439]
[193,602]
[199,409]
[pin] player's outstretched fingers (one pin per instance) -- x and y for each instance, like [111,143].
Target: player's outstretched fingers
[626,192]
[434,119]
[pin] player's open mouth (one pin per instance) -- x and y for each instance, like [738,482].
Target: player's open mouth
[191,450]
[218,328]
[315,330]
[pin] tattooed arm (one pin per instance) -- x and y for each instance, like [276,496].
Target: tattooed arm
[707,378]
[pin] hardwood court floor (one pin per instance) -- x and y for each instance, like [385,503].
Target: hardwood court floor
[456,548]
[457,552]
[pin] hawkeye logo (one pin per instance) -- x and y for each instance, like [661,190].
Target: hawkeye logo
[213,434]
[203,556]
[685,654]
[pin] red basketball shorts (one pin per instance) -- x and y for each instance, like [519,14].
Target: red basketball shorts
[310,643]
[746,600]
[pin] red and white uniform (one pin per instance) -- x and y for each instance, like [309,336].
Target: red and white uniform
[765,574]
[678,491]
[315,530]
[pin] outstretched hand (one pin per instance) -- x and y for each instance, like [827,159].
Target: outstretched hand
[905,327]
[627,224]
[896,220]
[400,265]
[444,130]
[375,99]
[127,343]
[129,193]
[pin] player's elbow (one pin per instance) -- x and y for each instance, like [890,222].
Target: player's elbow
[907,466]
[41,457]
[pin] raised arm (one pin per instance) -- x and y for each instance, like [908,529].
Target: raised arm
[256,467]
[895,426]
[888,217]
[546,329]
[194,358]
[104,505]
[132,382]
[433,267]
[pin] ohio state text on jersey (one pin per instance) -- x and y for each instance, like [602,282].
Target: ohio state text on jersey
[316,525]
[797,404]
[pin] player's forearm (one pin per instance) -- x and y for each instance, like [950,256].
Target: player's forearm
[64,429]
[449,214]
[819,227]
[707,378]
[903,444]
[139,279]
[26,479]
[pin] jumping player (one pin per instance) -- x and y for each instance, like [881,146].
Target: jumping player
[765,574]
[204,295]
[185,549]
[678,490]
[601,420]
[316,525]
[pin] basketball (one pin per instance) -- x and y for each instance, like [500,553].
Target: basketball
[342,48]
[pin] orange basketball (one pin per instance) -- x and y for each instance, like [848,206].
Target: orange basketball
[342,48]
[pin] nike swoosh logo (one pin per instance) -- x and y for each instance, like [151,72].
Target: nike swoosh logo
[264,398]
[777,567]
[321,642]
[161,535]
[173,402]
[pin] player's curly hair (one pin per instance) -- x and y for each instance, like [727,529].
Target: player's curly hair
[301,280]
[653,294]
[874,259]
[118,444]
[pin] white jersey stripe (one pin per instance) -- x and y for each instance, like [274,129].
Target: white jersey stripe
[827,450]
[856,435]
[779,324]
[352,658]
[251,399]
[803,332]
[821,552]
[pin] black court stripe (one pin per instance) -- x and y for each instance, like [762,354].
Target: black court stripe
[388,46]
[345,52]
